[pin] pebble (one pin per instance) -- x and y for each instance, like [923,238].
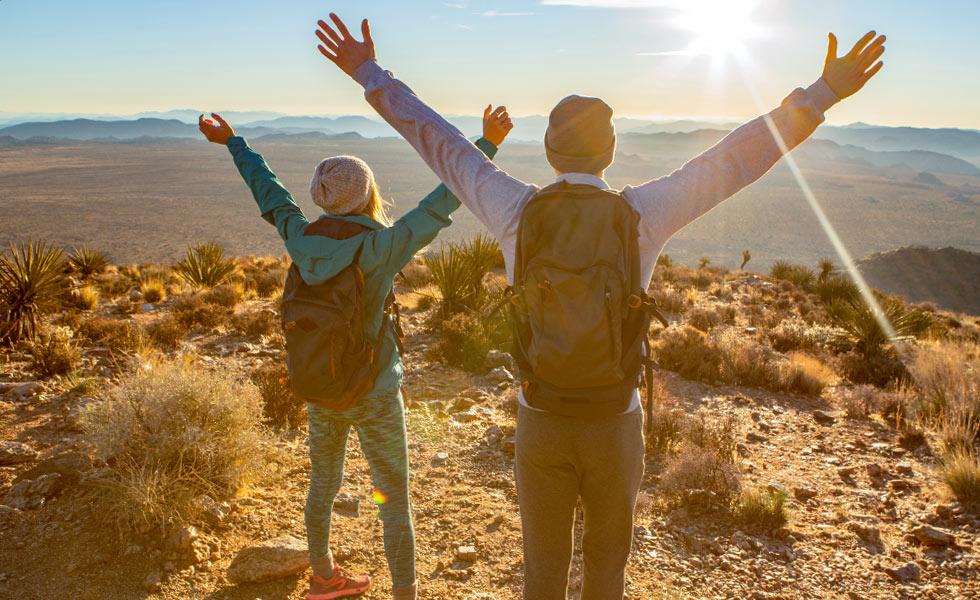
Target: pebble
[439,459]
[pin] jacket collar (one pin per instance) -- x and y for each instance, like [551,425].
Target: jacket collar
[584,179]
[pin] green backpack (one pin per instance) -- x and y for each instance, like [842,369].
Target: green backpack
[580,312]
[331,361]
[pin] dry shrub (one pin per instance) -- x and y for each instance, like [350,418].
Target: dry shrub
[794,333]
[167,332]
[227,295]
[115,334]
[702,278]
[669,299]
[703,318]
[762,509]
[465,338]
[85,297]
[171,433]
[688,351]
[256,323]
[719,435]
[269,283]
[153,291]
[880,371]
[696,468]
[416,275]
[862,401]
[280,406]
[664,420]
[192,311]
[960,471]
[947,377]
[803,374]
[113,285]
[744,361]
[54,352]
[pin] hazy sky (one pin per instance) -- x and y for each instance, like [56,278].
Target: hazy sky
[648,58]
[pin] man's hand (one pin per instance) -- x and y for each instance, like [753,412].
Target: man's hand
[496,124]
[848,74]
[345,52]
[219,133]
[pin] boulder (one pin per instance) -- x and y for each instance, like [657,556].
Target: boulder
[271,559]
[12,453]
[909,572]
[500,375]
[932,536]
[496,358]
[823,418]
[34,493]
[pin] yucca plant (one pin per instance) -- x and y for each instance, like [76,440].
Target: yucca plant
[836,288]
[960,471]
[795,274]
[746,257]
[485,253]
[861,323]
[88,261]
[452,273]
[32,281]
[205,266]
[826,268]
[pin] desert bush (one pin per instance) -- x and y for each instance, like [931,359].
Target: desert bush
[803,374]
[416,275]
[836,289]
[280,406]
[54,352]
[947,378]
[167,332]
[798,275]
[762,509]
[669,299]
[688,351]
[665,261]
[205,266]
[32,282]
[879,371]
[269,283]
[825,268]
[702,278]
[465,338]
[192,311]
[153,290]
[256,323]
[227,295]
[862,401]
[112,285]
[484,253]
[960,471]
[664,420]
[744,361]
[696,468]
[171,433]
[88,261]
[860,323]
[115,334]
[719,435]
[794,333]
[453,276]
[85,297]
[703,318]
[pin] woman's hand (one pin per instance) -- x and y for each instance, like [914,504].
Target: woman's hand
[219,133]
[848,74]
[496,124]
[341,48]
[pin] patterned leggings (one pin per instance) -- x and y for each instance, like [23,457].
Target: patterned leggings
[380,425]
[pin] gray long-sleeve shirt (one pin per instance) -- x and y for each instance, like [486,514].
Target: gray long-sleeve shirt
[665,205]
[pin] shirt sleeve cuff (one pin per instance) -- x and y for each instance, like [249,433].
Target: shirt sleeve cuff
[368,70]
[487,147]
[236,144]
[821,95]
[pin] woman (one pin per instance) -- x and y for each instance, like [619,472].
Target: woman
[344,187]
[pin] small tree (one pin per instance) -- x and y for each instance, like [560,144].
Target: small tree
[703,262]
[746,256]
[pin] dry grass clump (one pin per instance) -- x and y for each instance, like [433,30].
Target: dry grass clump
[88,261]
[227,295]
[466,339]
[205,266]
[696,468]
[793,333]
[153,290]
[703,318]
[171,433]
[268,283]
[115,334]
[862,401]
[664,420]
[167,332]
[947,377]
[689,352]
[85,297]
[416,275]
[745,361]
[191,310]
[762,509]
[280,406]
[54,352]
[797,275]
[803,374]
[669,299]
[960,471]
[113,284]
[256,323]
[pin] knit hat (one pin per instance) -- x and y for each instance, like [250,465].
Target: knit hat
[342,185]
[581,137]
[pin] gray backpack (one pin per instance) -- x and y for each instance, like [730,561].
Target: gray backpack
[580,312]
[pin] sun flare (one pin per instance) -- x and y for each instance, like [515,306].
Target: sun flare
[720,27]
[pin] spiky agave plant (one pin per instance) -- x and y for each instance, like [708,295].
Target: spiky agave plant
[88,261]
[205,266]
[32,281]
[484,252]
[861,324]
[452,273]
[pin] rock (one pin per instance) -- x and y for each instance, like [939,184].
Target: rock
[876,471]
[823,418]
[869,535]
[439,459]
[496,358]
[213,512]
[187,545]
[932,536]
[34,493]
[347,503]
[909,572]
[151,582]
[944,511]
[493,435]
[9,512]
[500,375]
[755,437]
[904,470]
[146,307]
[272,559]
[846,472]
[902,485]
[466,416]
[28,389]
[462,403]
[12,453]
[803,493]
[509,445]
[75,412]
[466,554]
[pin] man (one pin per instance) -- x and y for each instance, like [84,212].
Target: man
[561,459]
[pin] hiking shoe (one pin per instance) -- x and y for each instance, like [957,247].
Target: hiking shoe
[337,586]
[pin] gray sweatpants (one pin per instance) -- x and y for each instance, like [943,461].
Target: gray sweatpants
[559,460]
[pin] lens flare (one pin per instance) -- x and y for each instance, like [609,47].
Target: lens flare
[378,497]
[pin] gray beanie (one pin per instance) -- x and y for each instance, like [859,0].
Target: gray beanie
[581,137]
[342,185]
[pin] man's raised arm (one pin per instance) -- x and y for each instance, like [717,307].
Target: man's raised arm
[492,195]
[668,204]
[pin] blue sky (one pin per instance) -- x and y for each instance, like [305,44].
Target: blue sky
[125,57]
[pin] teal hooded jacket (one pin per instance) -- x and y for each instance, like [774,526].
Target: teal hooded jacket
[386,250]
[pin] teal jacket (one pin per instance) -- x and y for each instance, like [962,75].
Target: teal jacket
[386,250]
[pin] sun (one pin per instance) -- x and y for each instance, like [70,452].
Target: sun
[721,27]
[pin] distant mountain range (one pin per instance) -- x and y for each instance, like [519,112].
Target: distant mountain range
[948,277]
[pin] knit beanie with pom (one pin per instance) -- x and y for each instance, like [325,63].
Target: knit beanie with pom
[342,185]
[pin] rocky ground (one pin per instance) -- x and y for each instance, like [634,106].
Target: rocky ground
[869,521]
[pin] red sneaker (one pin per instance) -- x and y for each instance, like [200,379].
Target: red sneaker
[337,586]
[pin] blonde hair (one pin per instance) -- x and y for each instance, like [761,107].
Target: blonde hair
[377,208]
